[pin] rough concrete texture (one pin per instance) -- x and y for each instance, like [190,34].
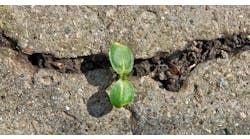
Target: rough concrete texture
[48,102]
[214,100]
[71,31]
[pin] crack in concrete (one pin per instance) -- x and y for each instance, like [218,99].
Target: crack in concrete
[71,116]
[169,69]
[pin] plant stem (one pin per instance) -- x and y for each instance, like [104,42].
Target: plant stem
[123,76]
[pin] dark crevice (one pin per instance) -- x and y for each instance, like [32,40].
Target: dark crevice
[173,69]
[37,59]
[136,121]
[6,41]
[70,65]
[169,69]
[227,132]
[72,116]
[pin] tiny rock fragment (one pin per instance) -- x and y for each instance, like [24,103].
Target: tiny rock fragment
[195,49]
[242,115]
[191,67]
[168,115]
[67,108]
[174,71]
[58,65]
[28,51]
[207,130]
[162,76]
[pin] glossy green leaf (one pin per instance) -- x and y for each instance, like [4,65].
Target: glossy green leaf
[121,58]
[122,93]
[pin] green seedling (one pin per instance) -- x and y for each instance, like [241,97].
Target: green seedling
[122,61]
[248,37]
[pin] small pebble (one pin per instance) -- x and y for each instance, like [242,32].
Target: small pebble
[221,83]
[224,54]
[229,76]
[80,91]
[67,108]
[110,13]
[242,115]
[168,115]
[241,16]
[142,80]
[209,131]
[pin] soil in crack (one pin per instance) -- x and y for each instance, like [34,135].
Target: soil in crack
[172,70]
[169,69]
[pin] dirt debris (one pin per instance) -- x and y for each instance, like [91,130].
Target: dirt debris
[170,69]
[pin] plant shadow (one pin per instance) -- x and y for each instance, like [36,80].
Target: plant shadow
[98,104]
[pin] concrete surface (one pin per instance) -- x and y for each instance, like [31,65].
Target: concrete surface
[215,99]
[71,31]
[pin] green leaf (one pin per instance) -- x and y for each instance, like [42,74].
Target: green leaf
[122,93]
[248,37]
[121,58]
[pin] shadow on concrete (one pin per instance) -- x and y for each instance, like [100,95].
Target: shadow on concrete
[99,104]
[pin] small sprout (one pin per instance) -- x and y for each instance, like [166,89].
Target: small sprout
[248,37]
[122,61]
[121,58]
[122,93]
